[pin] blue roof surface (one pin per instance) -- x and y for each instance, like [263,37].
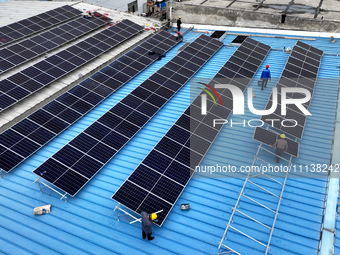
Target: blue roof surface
[337,233]
[86,224]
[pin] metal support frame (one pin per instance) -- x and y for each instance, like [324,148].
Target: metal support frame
[224,249]
[118,208]
[63,196]
[185,32]
[188,30]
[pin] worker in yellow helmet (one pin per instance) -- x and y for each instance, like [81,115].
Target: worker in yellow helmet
[179,22]
[147,223]
[281,145]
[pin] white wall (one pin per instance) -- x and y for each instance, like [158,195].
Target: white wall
[122,5]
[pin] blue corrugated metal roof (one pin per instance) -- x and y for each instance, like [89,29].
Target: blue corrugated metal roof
[87,224]
[337,233]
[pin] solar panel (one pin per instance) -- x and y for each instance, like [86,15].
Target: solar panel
[19,30]
[52,68]
[301,70]
[128,121]
[68,107]
[268,137]
[172,162]
[42,43]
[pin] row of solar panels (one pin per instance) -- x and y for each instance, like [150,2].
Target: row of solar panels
[30,134]
[106,136]
[71,180]
[76,163]
[26,82]
[159,180]
[296,74]
[157,183]
[17,54]
[18,30]
[301,71]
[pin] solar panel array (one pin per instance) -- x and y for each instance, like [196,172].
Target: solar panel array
[266,136]
[28,49]
[35,24]
[301,71]
[159,180]
[77,162]
[30,134]
[46,123]
[24,83]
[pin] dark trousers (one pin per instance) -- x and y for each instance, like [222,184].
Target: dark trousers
[264,83]
[178,28]
[278,152]
[144,235]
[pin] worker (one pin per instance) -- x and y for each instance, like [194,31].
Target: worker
[179,36]
[265,76]
[88,15]
[179,22]
[163,17]
[147,222]
[151,5]
[281,145]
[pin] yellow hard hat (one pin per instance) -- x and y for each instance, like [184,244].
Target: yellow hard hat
[153,216]
[179,17]
[283,136]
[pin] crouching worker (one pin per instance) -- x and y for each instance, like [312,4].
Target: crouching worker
[179,36]
[147,222]
[88,15]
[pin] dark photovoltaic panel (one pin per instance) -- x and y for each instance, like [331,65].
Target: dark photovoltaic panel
[19,30]
[87,153]
[161,177]
[301,71]
[28,49]
[40,126]
[22,84]
[266,136]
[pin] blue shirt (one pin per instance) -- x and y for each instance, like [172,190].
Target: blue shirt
[265,74]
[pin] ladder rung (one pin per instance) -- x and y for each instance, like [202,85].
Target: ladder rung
[273,179]
[258,203]
[275,154]
[254,176]
[230,249]
[265,161]
[247,236]
[251,218]
[263,189]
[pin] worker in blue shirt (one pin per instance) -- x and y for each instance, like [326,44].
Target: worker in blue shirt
[147,223]
[265,76]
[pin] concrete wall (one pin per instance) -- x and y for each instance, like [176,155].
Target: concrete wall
[195,14]
[121,5]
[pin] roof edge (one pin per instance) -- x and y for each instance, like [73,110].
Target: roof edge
[295,33]
[328,228]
